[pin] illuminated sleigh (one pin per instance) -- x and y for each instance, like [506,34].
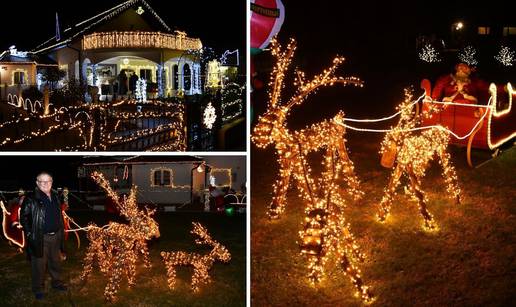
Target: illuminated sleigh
[497,127]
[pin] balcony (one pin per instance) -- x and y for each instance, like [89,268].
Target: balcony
[134,39]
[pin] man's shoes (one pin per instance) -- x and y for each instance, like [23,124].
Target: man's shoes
[60,287]
[39,295]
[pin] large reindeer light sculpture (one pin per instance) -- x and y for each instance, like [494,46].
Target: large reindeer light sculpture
[116,246]
[411,153]
[326,236]
[202,263]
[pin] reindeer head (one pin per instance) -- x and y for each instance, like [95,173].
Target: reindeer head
[271,127]
[140,220]
[219,251]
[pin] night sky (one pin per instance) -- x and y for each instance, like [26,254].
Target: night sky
[26,24]
[378,40]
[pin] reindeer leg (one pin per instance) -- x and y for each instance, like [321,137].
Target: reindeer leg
[348,170]
[354,274]
[279,199]
[171,269]
[115,277]
[389,192]
[200,276]
[450,176]
[130,264]
[142,247]
[421,199]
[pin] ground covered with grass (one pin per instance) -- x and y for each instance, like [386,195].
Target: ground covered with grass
[228,286]
[470,261]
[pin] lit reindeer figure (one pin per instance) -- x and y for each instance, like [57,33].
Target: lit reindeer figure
[325,230]
[411,154]
[202,263]
[116,246]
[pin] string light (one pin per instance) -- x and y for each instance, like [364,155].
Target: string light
[429,54]
[227,173]
[326,235]
[140,39]
[141,90]
[411,155]
[468,55]
[505,56]
[202,264]
[498,114]
[209,116]
[116,248]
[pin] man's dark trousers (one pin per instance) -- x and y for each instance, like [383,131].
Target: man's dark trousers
[52,256]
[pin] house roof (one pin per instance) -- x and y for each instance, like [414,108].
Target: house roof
[7,57]
[103,160]
[88,25]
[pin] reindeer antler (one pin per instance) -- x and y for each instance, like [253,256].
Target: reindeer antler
[202,233]
[283,59]
[128,206]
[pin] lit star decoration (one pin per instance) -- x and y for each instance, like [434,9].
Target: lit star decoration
[202,264]
[505,56]
[209,116]
[429,54]
[411,154]
[468,55]
[116,247]
[326,237]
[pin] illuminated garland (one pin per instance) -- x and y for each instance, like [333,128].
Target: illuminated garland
[411,154]
[226,171]
[116,248]
[202,264]
[326,236]
[141,90]
[231,97]
[140,39]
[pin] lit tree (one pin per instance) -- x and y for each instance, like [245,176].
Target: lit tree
[468,55]
[505,56]
[429,54]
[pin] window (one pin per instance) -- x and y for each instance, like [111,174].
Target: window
[483,30]
[509,31]
[187,77]
[19,77]
[146,74]
[175,77]
[162,177]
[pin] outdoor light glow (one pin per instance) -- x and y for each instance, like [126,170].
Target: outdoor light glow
[468,55]
[116,247]
[410,154]
[226,172]
[505,56]
[429,54]
[140,39]
[202,264]
[209,116]
[326,235]
[497,114]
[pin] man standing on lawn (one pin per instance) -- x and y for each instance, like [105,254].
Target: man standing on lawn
[44,234]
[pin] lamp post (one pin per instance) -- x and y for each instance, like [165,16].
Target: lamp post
[456,32]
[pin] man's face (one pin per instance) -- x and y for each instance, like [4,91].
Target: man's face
[44,183]
[463,70]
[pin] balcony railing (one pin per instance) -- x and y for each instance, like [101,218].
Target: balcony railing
[134,39]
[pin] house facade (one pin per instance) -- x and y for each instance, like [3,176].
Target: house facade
[108,48]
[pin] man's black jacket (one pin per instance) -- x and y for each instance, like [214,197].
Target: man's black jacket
[32,219]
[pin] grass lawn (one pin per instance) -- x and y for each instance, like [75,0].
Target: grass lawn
[228,286]
[470,261]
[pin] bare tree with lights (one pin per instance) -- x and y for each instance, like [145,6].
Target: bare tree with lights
[326,237]
[117,247]
[411,153]
[202,263]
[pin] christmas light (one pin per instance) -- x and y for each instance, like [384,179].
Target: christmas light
[411,155]
[497,114]
[116,248]
[505,56]
[429,54]
[232,102]
[202,264]
[209,116]
[227,173]
[141,90]
[140,39]
[468,55]
[326,236]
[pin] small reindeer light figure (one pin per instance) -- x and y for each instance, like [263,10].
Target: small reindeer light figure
[116,246]
[202,263]
[411,154]
[326,237]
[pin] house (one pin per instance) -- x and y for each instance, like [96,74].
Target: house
[130,38]
[165,181]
